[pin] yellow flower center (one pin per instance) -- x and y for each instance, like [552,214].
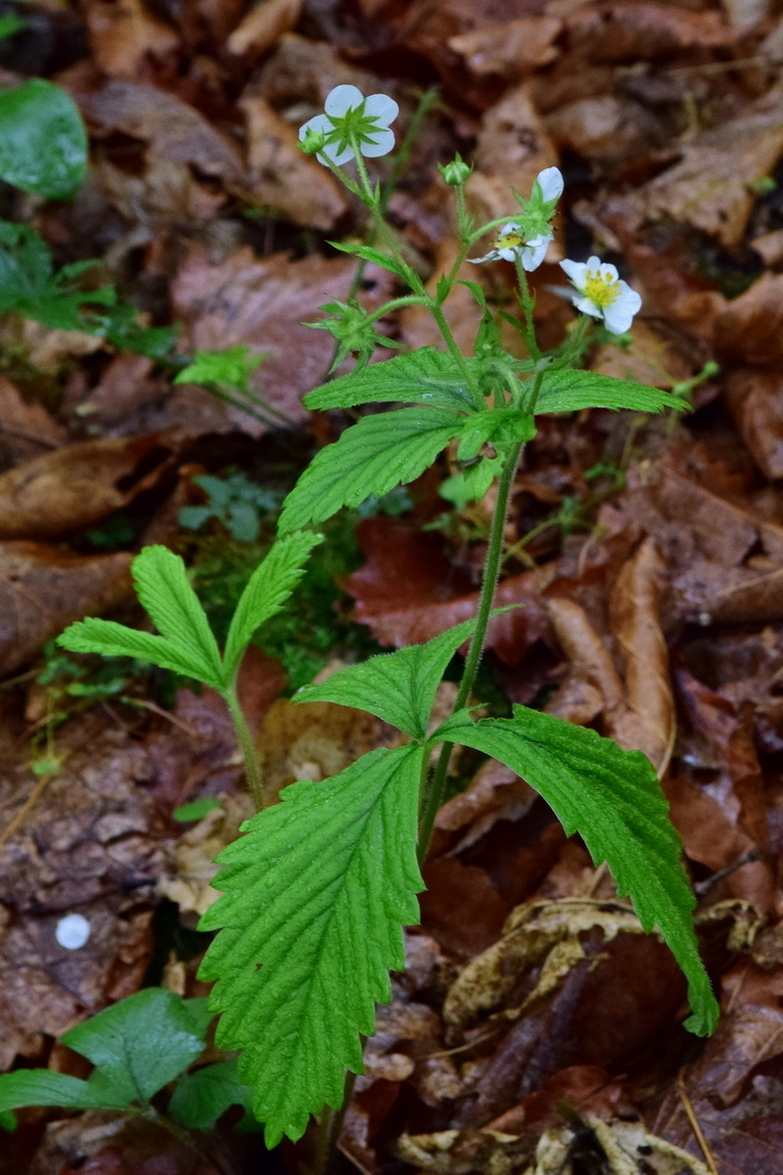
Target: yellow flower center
[601,290]
[510,240]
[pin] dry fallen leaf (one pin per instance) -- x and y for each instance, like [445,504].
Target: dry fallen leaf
[43,589]
[755,399]
[26,428]
[511,49]
[122,34]
[79,484]
[263,25]
[611,32]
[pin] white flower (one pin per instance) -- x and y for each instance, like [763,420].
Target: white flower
[72,931]
[601,293]
[511,244]
[550,181]
[348,111]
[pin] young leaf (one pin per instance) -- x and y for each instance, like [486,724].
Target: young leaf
[30,286]
[163,588]
[116,640]
[314,897]
[138,1045]
[231,367]
[568,390]
[367,253]
[42,1087]
[426,376]
[398,688]
[372,457]
[266,591]
[43,143]
[202,1097]
[612,798]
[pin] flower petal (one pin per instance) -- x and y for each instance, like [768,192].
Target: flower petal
[381,107]
[593,262]
[493,255]
[619,316]
[318,123]
[341,99]
[587,306]
[510,253]
[576,270]
[534,253]
[382,143]
[609,271]
[551,183]
[505,229]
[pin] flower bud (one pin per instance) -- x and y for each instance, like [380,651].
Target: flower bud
[456,172]
[313,141]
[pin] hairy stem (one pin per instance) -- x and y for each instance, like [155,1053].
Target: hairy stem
[433,791]
[247,746]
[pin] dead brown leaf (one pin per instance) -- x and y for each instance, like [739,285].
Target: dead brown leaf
[750,328]
[280,175]
[79,484]
[43,589]
[755,399]
[26,429]
[495,793]
[605,128]
[511,49]
[122,35]
[610,33]
[263,26]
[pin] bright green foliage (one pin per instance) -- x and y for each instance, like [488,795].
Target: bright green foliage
[8,1121]
[137,1047]
[372,457]
[235,501]
[498,426]
[10,23]
[30,286]
[314,898]
[266,591]
[612,798]
[43,143]
[203,1096]
[375,256]
[568,390]
[197,810]
[472,483]
[231,368]
[350,326]
[119,325]
[398,688]
[424,377]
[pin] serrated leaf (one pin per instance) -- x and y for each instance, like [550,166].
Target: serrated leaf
[43,142]
[116,640]
[375,455]
[137,1045]
[30,286]
[164,590]
[425,376]
[202,1097]
[568,390]
[612,798]
[367,253]
[266,592]
[42,1087]
[398,688]
[314,897]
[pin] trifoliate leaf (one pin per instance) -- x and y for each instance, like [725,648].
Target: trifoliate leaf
[372,457]
[266,591]
[568,390]
[612,798]
[163,588]
[42,1087]
[314,897]
[43,143]
[202,1097]
[425,376]
[138,1045]
[116,640]
[398,688]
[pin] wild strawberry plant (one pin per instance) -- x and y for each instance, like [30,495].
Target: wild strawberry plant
[316,890]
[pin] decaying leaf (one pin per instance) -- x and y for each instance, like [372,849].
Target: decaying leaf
[755,399]
[26,429]
[510,49]
[262,25]
[123,34]
[189,882]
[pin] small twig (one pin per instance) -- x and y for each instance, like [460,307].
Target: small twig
[702,887]
[694,1121]
[143,704]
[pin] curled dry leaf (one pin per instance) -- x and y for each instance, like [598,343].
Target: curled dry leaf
[79,484]
[43,589]
[123,34]
[513,146]
[263,25]
[458,1152]
[495,793]
[26,429]
[511,49]
[750,327]
[755,399]
[280,175]
[649,724]
[589,658]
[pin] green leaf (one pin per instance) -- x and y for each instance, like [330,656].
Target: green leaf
[202,1097]
[30,286]
[314,899]
[372,457]
[43,143]
[138,1045]
[612,798]
[425,376]
[398,688]
[8,1120]
[116,640]
[42,1087]
[197,810]
[367,253]
[568,390]
[163,588]
[266,592]
[230,368]
[499,426]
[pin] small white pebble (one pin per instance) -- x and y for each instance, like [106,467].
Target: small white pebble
[72,931]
